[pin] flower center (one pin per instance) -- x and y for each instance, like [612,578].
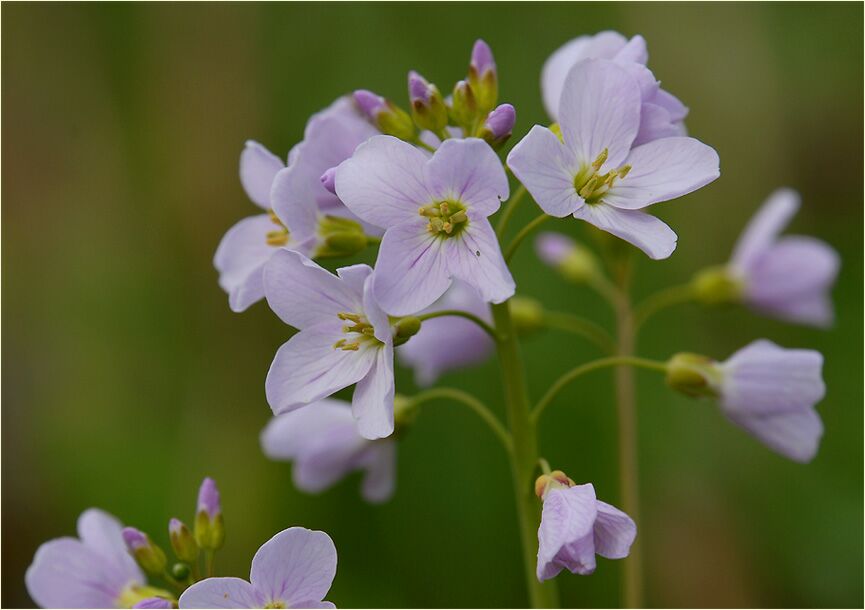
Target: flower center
[592,185]
[278,237]
[358,331]
[276,603]
[446,218]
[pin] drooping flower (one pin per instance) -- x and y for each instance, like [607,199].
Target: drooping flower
[249,244]
[322,441]
[91,571]
[435,214]
[662,115]
[594,173]
[345,338]
[767,390]
[576,526]
[294,569]
[448,343]
[788,277]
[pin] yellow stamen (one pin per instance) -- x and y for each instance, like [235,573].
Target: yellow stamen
[601,159]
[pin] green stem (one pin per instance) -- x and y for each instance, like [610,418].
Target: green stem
[580,326]
[674,295]
[462,314]
[524,457]
[510,208]
[472,403]
[422,144]
[613,361]
[372,240]
[524,232]
[208,562]
[545,466]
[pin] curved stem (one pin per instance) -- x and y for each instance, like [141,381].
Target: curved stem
[462,314]
[524,232]
[674,295]
[545,466]
[580,326]
[524,457]
[562,382]
[472,403]
[606,289]
[510,208]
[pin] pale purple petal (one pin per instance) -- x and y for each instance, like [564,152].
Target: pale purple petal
[208,498]
[258,168]
[795,435]
[635,51]
[663,170]
[474,256]
[553,248]
[815,310]
[154,602]
[666,100]
[656,123]
[295,565]
[295,434]
[303,294]
[764,378]
[383,182]
[380,479]
[646,232]
[599,109]
[222,593]
[308,367]
[764,228]
[240,260]
[614,532]
[547,169]
[372,404]
[567,518]
[467,171]
[410,272]
[355,276]
[375,314]
[103,532]
[482,58]
[311,604]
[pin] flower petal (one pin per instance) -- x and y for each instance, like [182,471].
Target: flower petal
[375,314]
[474,256]
[103,532]
[295,565]
[224,592]
[302,293]
[614,532]
[795,435]
[258,168]
[240,260]
[568,517]
[662,170]
[410,272]
[547,169]
[372,404]
[380,479]
[764,227]
[308,367]
[599,109]
[383,182]
[467,170]
[655,123]
[292,435]
[648,233]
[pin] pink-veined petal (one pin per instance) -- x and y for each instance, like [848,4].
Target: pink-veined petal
[295,565]
[646,232]
[468,171]
[372,404]
[795,435]
[614,532]
[258,168]
[474,256]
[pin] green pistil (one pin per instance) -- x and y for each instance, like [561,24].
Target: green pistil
[591,185]
[446,218]
[359,331]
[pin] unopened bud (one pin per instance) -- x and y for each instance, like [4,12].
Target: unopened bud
[573,260]
[405,411]
[499,125]
[716,285]
[182,541]
[427,106]
[694,375]
[527,314]
[555,480]
[483,77]
[388,118]
[405,329]
[150,557]
[464,107]
[209,526]
[339,237]
[180,571]
[328,180]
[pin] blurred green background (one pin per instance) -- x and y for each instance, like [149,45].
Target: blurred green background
[126,378]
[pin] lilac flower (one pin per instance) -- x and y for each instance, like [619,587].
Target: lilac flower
[662,115]
[788,277]
[294,569]
[448,343]
[435,215]
[765,389]
[594,173]
[322,441]
[91,571]
[153,603]
[344,338]
[300,197]
[576,526]
[249,244]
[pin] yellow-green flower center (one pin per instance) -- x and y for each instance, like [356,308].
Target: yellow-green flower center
[279,237]
[446,218]
[591,185]
[357,331]
[277,603]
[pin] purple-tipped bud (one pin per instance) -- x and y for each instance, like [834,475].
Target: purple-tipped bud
[369,103]
[134,539]
[419,89]
[464,107]
[483,77]
[149,556]
[427,106]
[482,58]
[574,261]
[385,115]
[209,528]
[182,541]
[328,180]
[208,498]
[498,125]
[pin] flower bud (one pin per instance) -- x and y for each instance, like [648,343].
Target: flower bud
[150,557]
[339,237]
[556,479]
[498,125]
[694,375]
[483,77]
[388,118]
[464,107]
[527,314]
[573,260]
[209,526]
[716,285]
[328,180]
[405,329]
[182,541]
[180,571]
[427,106]
[404,412]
